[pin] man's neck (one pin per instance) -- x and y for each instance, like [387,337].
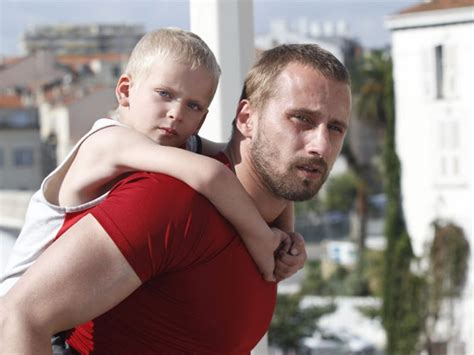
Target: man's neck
[269,205]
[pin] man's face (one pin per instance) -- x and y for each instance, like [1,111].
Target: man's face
[299,132]
[170,103]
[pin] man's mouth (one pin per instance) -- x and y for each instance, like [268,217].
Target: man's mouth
[312,171]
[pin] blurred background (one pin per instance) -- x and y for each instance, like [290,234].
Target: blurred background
[389,237]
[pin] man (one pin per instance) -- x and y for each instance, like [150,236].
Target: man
[155,266]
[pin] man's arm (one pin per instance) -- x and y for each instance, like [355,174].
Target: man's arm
[82,275]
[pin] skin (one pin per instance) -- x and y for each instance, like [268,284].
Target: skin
[171,102]
[96,273]
[295,139]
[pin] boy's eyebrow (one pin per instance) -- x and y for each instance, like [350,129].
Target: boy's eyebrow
[173,91]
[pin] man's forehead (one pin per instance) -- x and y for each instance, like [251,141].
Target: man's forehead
[305,87]
[306,77]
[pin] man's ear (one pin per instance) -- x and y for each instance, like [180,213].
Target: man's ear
[122,90]
[244,119]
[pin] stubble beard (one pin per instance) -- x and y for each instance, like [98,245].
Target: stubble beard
[285,183]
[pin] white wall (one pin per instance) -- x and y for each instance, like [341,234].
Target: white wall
[227,28]
[420,118]
[430,129]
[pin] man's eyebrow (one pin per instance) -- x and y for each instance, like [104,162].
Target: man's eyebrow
[339,123]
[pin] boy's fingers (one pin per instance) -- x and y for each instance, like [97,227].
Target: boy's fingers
[297,243]
[283,273]
[269,278]
[291,261]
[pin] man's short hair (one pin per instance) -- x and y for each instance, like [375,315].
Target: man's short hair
[259,85]
[172,43]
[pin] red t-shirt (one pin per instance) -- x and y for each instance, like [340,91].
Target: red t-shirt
[201,292]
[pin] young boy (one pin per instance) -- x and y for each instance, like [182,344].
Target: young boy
[163,100]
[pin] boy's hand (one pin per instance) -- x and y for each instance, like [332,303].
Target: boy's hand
[290,260]
[280,241]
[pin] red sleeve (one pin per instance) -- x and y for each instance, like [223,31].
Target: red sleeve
[156,221]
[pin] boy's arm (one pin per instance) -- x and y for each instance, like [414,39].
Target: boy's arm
[118,150]
[286,220]
[288,262]
[292,255]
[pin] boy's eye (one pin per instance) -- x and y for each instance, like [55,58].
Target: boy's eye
[194,106]
[164,93]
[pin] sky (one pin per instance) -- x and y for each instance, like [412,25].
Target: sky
[364,18]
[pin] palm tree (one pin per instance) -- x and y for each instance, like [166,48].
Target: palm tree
[370,79]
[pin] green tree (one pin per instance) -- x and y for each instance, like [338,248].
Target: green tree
[402,291]
[369,81]
[290,324]
[449,257]
[340,192]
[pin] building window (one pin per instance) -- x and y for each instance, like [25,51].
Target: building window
[439,62]
[450,166]
[23,156]
[2,158]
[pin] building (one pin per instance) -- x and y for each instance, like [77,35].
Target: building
[433,52]
[82,39]
[67,117]
[333,36]
[21,165]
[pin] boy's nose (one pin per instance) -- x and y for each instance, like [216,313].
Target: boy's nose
[176,111]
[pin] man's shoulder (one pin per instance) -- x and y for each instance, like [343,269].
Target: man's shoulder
[150,185]
[158,180]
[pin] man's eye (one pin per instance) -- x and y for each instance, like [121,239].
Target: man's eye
[336,128]
[302,118]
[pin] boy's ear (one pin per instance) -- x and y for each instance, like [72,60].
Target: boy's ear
[122,90]
[244,119]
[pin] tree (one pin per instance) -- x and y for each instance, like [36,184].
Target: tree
[290,324]
[449,257]
[403,291]
[370,80]
[340,192]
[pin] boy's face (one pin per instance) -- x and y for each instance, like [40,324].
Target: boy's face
[169,104]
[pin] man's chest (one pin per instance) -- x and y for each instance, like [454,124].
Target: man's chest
[220,304]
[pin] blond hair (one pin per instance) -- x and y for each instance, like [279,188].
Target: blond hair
[173,43]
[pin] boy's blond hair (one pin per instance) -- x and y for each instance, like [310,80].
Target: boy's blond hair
[172,43]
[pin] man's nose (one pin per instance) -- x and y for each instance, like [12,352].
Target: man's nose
[319,142]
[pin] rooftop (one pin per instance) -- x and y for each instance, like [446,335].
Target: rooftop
[10,101]
[437,5]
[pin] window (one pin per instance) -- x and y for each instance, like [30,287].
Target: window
[450,168]
[439,62]
[2,158]
[23,156]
